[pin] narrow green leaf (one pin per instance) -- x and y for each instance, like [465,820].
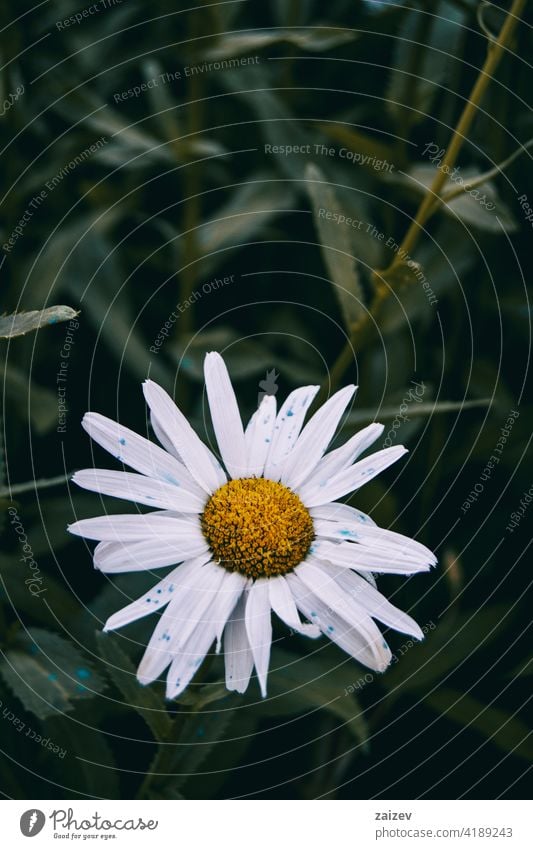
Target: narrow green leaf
[315,39]
[362,416]
[373,150]
[251,208]
[479,207]
[19,323]
[88,766]
[426,45]
[297,684]
[331,223]
[503,730]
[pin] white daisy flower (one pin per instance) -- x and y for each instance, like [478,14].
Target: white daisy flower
[265,534]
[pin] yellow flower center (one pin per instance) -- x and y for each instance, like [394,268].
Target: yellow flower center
[257,527]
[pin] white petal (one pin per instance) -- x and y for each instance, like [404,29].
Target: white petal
[363,558]
[284,606]
[259,629]
[315,438]
[238,656]
[139,526]
[116,557]
[388,543]
[374,602]
[155,599]
[188,659]
[163,438]
[339,459]
[288,425]
[225,415]
[339,512]
[141,489]
[352,478]
[136,451]
[200,461]
[193,595]
[258,436]
[354,632]
[230,592]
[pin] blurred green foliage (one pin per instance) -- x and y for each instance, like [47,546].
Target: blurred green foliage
[160,162]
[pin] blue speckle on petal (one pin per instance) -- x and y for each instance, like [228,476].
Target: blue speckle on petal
[122,441]
[330,629]
[313,614]
[290,413]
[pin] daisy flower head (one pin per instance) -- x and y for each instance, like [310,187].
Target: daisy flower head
[263,533]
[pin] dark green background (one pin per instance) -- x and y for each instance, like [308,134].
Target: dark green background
[168,204]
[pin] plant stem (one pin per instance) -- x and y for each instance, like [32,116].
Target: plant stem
[163,761]
[192,211]
[432,200]
[361,331]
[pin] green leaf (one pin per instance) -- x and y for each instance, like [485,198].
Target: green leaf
[424,57]
[480,207]
[200,733]
[81,260]
[15,592]
[371,148]
[243,357]
[29,399]
[297,684]
[89,766]
[443,268]
[48,673]
[252,206]
[19,323]
[144,700]
[524,668]
[334,237]
[315,39]
[497,725]
[277,122]
[363,416]
[448,645]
